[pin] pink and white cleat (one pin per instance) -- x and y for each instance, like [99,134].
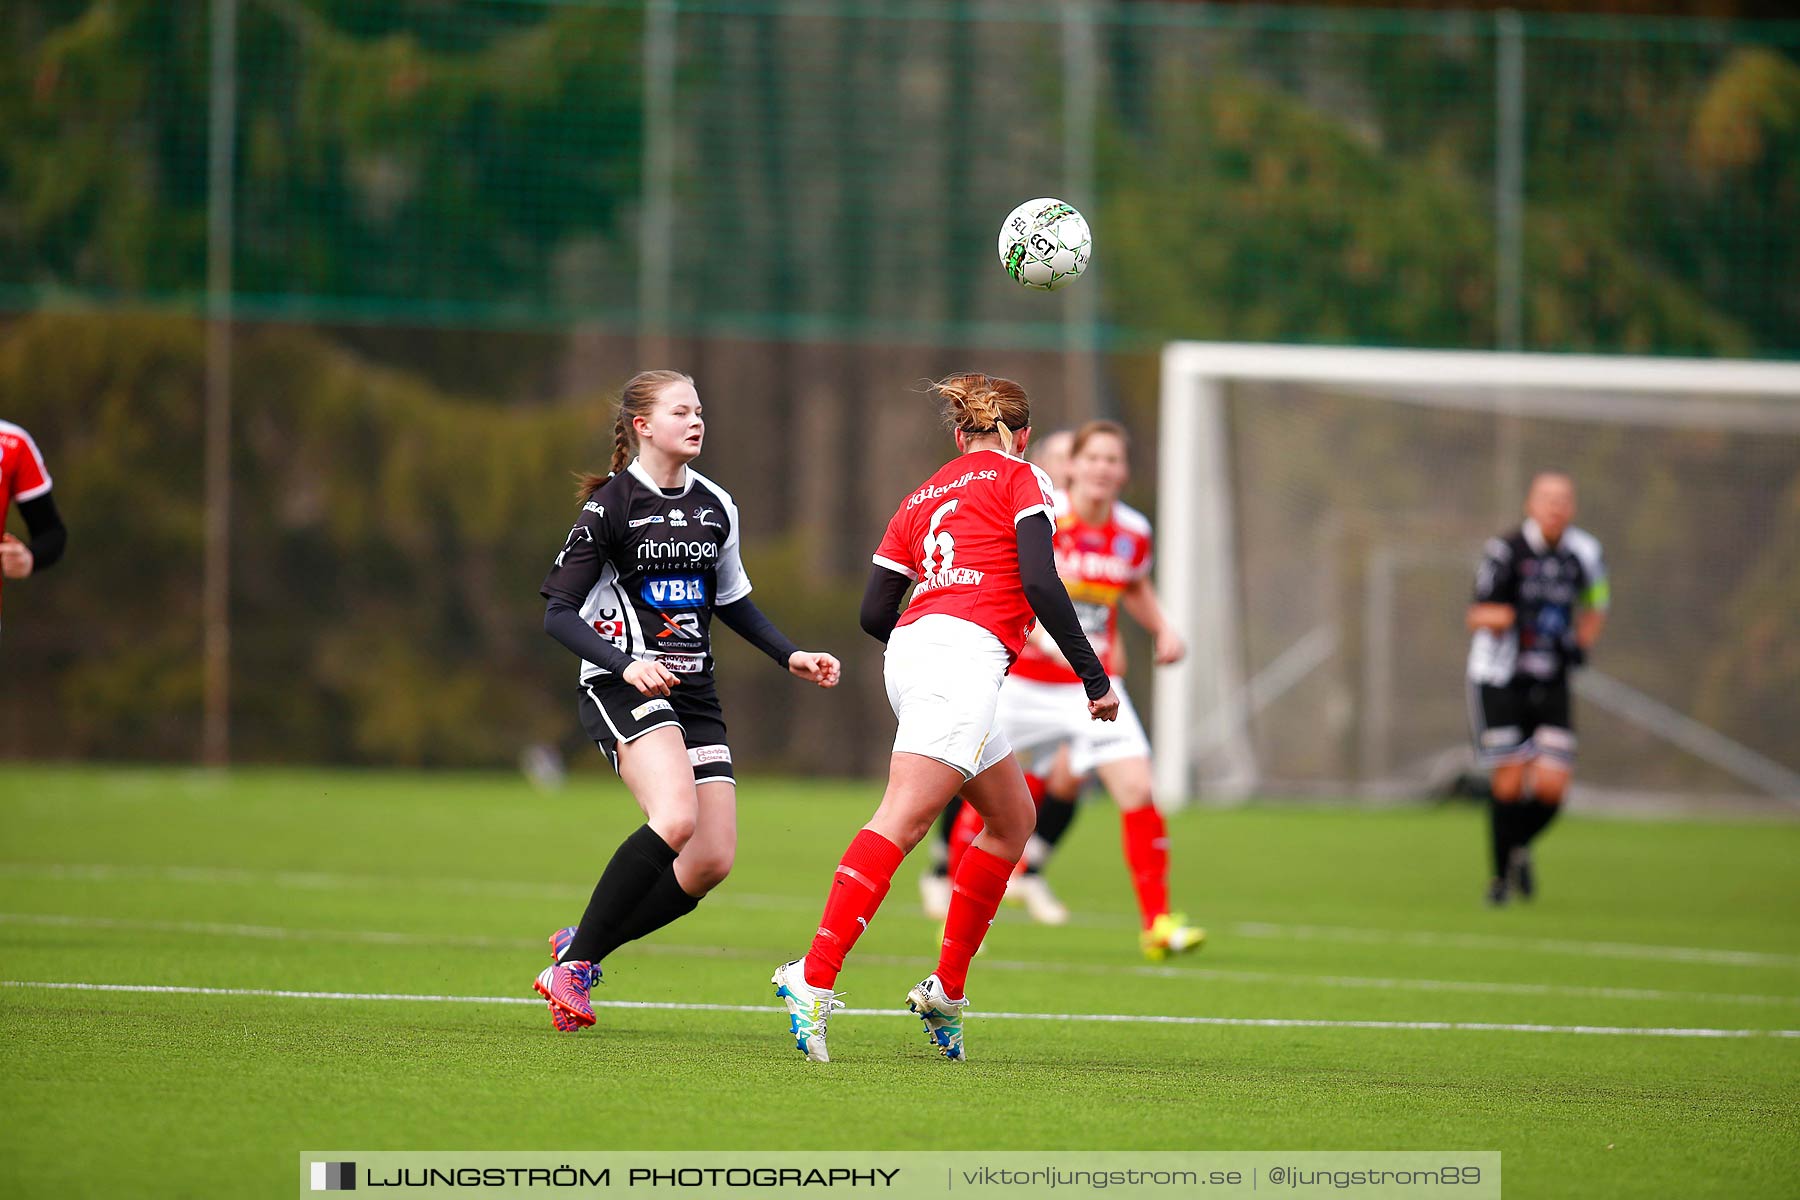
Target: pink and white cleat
[565,986]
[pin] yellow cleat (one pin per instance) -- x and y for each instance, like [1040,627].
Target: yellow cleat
[1170,934]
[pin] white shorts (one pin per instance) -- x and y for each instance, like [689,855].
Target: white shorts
[1040,718]
[943,681]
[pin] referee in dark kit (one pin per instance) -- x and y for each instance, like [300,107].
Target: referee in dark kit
[1541,596]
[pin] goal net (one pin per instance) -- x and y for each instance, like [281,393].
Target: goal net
[1321,512]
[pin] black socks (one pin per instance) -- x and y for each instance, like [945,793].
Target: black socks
[1502,826]
[1055,815]
[940,837]
[1053,818]
[636,865]
[1534,817]
[1516,824]
[663,903]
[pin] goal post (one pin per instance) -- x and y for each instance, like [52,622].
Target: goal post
[1320,511]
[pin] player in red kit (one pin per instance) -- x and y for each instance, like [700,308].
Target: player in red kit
[975,539]
[1103,555]
[1055,797]
[25,479]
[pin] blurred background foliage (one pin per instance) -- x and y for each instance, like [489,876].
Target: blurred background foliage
[441,260]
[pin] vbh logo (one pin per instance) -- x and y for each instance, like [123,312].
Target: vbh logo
[675,591]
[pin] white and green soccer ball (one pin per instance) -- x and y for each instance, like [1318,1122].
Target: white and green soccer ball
[1045,244]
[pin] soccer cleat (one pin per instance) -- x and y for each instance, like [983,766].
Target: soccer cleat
[809,1009]
[942,1017]
[559,946]
[1033,890]
[1519,875]
[561,1021]
[565,986]
[1496,893]
[934,895]
[1170,934]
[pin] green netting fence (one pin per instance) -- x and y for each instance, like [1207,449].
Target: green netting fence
[819,170]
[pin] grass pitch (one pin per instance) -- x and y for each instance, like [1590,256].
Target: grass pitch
[1363,928]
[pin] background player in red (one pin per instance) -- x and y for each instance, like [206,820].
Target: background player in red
[976,540]
[25,480]
[1103,554]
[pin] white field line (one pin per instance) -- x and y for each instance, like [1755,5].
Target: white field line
[299,880]
[1112,1018]
[1489,941]
[1214,974]
[322,881]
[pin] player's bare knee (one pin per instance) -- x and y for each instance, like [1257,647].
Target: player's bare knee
[904,829]
[916,830]
[1133,798]
[709,870]
[1008,843]
[674,827]
[1550,786]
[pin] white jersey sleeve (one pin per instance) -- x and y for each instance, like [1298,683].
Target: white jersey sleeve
[733,580]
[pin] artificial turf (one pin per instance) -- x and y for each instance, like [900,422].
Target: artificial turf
[420,884]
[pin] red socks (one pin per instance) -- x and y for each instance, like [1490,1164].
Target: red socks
[967,828]
[862,879]
[968,825]
[1147,855]
[980,882]
[1036,785]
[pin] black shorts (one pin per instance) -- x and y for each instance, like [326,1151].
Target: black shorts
[1525,719]
[613,713]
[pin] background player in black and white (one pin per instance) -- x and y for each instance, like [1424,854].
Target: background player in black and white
[652,558]
[1541,596]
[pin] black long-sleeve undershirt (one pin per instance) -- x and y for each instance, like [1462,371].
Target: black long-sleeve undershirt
[1049,599]
[881,602]
[48,534]
[1044,591]
[749,622]
[563,622]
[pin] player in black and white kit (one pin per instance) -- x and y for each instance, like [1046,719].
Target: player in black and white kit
[1541,596]
[652,559]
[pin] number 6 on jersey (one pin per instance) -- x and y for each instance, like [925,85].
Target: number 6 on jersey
[941,544]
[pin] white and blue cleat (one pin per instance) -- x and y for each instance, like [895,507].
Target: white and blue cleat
[809,1009]
[942,1017]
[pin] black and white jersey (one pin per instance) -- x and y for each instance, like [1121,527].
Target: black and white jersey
[1544,584]
[646,567]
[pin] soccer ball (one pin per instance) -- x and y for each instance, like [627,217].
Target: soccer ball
[1045,244]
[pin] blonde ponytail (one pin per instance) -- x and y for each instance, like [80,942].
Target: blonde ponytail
[979,404]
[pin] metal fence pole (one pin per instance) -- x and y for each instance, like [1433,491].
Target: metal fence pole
[655,242]
[1080,96]
[216,573]
[1509,180]
[1509,246]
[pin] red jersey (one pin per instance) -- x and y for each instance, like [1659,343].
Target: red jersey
[956,537]
[23,475]
[1097,563]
